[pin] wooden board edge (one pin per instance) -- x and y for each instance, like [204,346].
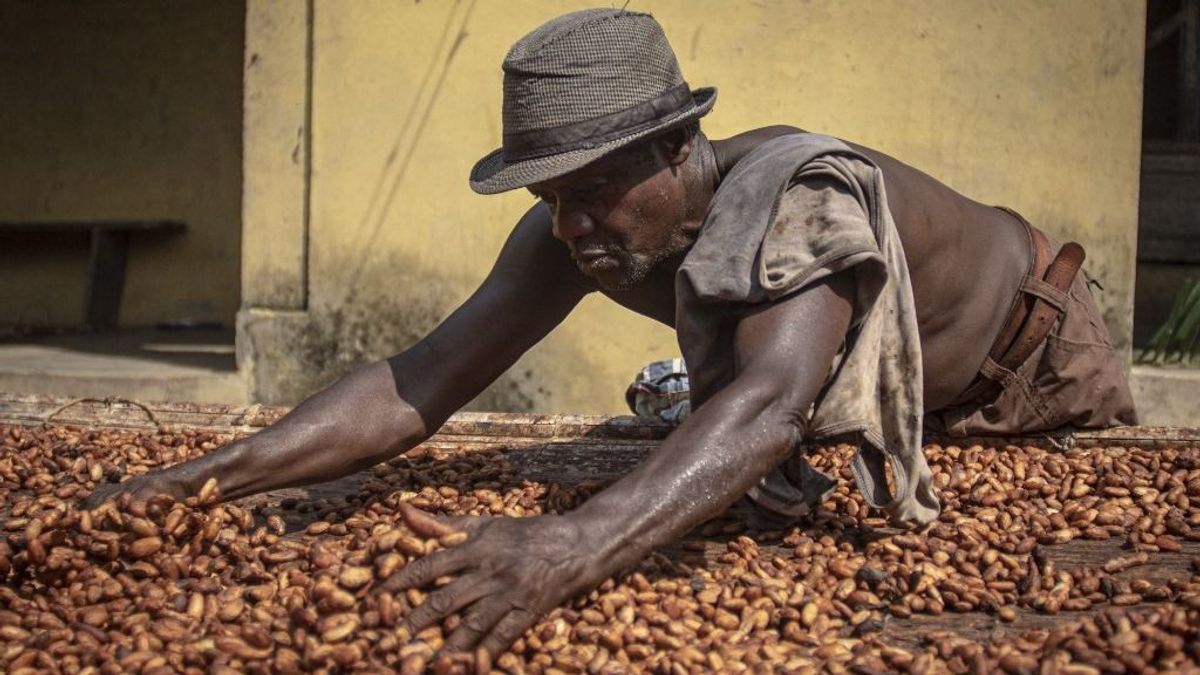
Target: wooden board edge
[34,409]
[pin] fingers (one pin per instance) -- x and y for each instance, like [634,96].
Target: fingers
[95,499]
[507,630]
[428,525]
[447,600]
[103,493]
[424,570]
[477,623]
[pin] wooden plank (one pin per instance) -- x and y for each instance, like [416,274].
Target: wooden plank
[35,227]
[982,626]
[117,412]
[573,449]
[1075,554]
[572,462]
[1168,206]
[1189,73]
[1166,29]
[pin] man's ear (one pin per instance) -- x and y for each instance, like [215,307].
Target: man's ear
[677,146]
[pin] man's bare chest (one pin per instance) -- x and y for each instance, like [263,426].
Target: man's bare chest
[654,299]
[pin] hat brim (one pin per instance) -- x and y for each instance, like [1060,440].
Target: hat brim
[492,175]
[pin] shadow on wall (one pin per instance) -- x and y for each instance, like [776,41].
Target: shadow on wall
[395,302]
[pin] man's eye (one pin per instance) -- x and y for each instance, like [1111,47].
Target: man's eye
[587,193]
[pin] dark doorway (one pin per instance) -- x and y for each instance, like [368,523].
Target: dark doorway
[1169,214]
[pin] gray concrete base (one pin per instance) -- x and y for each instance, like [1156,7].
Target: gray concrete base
[270,355]
[144,365]
[1166,396]
[200,366]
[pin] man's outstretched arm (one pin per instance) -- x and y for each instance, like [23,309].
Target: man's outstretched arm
[783,356]
[382,409]
[513,570]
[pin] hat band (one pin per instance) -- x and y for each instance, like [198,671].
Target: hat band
[596,131]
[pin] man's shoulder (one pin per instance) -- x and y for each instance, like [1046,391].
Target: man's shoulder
[532,253]
[730,151]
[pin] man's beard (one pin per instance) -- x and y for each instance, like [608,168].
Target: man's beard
[631,270]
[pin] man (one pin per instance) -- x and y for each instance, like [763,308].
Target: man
[809,303]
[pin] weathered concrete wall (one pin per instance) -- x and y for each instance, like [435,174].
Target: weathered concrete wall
[122,109]
[1028,104]
[276,156]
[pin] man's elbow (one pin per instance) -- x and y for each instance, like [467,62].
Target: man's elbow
[390,421]
[766,412]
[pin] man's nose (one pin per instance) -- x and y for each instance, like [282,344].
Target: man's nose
[570,225]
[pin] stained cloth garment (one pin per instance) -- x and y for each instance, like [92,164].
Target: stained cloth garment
[796,210]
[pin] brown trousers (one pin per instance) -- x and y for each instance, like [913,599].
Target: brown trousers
[1073,379]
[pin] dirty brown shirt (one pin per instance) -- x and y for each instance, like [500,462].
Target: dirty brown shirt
[794,211]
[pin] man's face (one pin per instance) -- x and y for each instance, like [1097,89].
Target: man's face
[621,215]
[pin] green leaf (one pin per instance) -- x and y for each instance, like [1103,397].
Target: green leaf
[1178,338]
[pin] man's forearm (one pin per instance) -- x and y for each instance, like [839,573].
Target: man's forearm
[702,468]
[355,423]
[782,353]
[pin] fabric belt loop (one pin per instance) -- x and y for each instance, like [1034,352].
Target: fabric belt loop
[1045,291]
[993,371]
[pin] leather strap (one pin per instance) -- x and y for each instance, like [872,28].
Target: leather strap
[1043,313]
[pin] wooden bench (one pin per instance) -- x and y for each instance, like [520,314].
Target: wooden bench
[106,260]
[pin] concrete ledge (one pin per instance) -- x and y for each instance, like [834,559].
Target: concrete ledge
[1166,396]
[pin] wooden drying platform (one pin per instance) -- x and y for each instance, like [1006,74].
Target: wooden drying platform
[570,449]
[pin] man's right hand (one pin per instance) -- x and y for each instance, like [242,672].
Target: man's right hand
[139,488]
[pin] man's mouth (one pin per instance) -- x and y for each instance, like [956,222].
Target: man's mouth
[594,261]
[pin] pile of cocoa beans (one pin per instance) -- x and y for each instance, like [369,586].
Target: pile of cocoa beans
[289,585]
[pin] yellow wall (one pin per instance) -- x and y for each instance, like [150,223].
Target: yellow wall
[122,109]
[1030,104]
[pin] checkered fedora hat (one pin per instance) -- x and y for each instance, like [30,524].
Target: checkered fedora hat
[580,87]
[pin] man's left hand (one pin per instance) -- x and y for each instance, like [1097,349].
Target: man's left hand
[510,571]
